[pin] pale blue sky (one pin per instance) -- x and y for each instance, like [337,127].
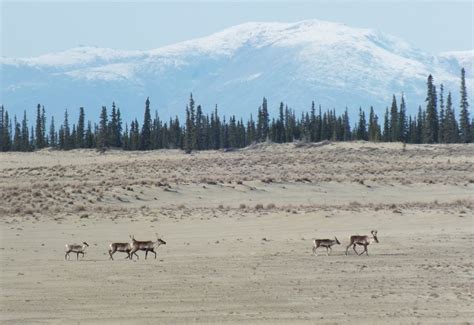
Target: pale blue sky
[31,28]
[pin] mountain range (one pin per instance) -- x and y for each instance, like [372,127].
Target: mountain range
[335,65]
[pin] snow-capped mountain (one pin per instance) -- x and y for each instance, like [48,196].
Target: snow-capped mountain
[330,63]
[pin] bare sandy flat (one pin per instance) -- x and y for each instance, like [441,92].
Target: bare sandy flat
[239,228]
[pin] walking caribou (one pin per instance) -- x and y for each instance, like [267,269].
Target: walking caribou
[121,247]
[363,241]
[147,246]
[324,243]
[75,248]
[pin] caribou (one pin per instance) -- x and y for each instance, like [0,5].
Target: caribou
[75,248]
[121,247]
[147,246]
[362,241]
[324,243]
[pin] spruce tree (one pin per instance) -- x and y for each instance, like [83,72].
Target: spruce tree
[66,141]
[112,127]
[280,126]
[73,138]
[233,134]
[89,141]
[251,130]
[464,121]
[325,127]
[319,125]
[25,135]
[224,134]
[118,130]
[126,139]
[7,132]
[450,128]
[346,126]
[146,128]
[32,141]
[43,127]
[103,135]
[313,128]
[431,127]
[265,120]
[155,131]
[362,126]
[2,128]
[40,140]
[394,120]
[135,136]
[419,126]
[3,134]
[61,143]
[52,134]
[289,125]
[402,121]
[374,128]
[188,143]
[386,127]
[198,131]
[17,141]
[442,116]
[259,125]
[80,131]
[411,135]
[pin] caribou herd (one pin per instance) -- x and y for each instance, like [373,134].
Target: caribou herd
[354,241]
[132,247]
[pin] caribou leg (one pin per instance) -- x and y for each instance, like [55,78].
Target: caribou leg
[134,251]
[355,250]
[347,248]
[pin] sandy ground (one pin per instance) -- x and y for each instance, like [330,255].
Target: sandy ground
[239,227]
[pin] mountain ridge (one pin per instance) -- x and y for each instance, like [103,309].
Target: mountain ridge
[331,63]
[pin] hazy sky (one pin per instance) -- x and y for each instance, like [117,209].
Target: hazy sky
[30,28]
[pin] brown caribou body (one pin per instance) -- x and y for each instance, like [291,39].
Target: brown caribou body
[363,241]
[324,243]
[147,246]
[75,248]
[121,247]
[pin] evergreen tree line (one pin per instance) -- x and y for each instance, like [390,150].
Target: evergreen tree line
[436,123]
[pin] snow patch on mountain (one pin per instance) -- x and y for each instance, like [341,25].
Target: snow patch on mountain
[331,63]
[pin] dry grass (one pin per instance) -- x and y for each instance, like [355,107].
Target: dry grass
[69,182]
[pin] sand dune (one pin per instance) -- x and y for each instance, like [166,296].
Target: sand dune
[239,227]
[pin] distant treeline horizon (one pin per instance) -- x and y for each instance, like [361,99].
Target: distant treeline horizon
[436,123]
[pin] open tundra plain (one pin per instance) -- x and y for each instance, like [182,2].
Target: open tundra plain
[239,227]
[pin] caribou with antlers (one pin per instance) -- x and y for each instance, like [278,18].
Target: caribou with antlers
[363,241]
[147,246]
